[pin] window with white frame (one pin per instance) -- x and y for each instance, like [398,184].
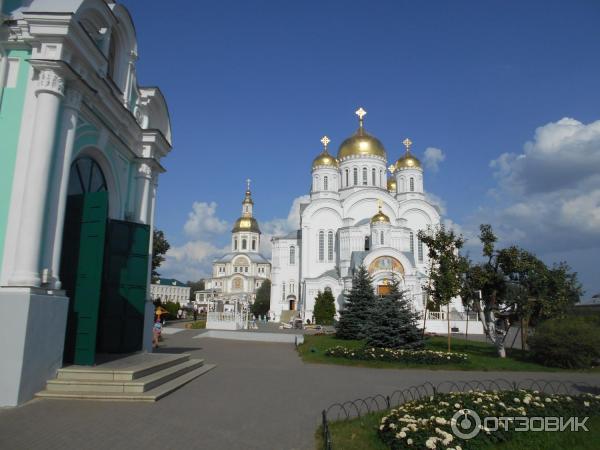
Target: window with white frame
[355,173]
[412,184]
[364,176]
[420,249]
[292,254]
[321,245]
[373,177]
[244,244]
[325,183]
[411,237]
[381,238]
[347,177]
[283,292]
[330,245]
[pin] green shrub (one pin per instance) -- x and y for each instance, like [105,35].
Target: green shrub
[199,324]
[172,307]
[571,342]
[324,308]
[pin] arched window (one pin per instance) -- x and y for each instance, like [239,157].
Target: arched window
[325,184]
[381,239]
[244,244]
[292,255]
[321,245]
[420,251]
[411,237]
[283,292]
[373,177]
[364,177]
[367,243]
[292,287]
[86,176]
[381,178]
[316,183]
[412,184]
[347,178]
[253,244]
[330,246]
[235,244]
[355,176]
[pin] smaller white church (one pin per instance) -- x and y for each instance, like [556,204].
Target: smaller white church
[357,216]
[239,273]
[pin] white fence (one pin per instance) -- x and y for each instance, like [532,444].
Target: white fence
[225,321]
[454,315]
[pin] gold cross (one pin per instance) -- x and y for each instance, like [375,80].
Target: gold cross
[248,183]
[325,140]
[392,168]
[407,143]
[360,112]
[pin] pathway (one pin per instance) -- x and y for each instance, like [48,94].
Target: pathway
[260,396]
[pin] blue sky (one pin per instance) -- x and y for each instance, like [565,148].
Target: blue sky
[253,85]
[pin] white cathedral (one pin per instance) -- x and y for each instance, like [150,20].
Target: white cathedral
[355,216]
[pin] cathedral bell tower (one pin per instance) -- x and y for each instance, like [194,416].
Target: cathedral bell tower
[245,235]
[409,174]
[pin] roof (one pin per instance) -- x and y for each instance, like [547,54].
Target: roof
[296,235]
[254,257]
[170,282]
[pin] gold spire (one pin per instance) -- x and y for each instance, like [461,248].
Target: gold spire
[360,112]
[380,217]
[407,161]
[247,212]
[324,158]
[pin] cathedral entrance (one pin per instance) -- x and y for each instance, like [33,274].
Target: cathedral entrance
[383,290]
[292,305]
[104,271]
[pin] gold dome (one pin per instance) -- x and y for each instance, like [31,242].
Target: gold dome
[380,217]
[408,161]
[324,159]
[361,143]
[391,184]
[246,224]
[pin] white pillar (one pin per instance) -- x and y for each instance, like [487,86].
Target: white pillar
[143,200]
[49,91]
[60,181]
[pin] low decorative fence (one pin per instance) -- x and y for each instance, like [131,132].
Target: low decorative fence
[225,320]
[353,409]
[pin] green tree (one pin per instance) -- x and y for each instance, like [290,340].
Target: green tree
[393,323]
[262,302]
[195,286]
[356,315]
[160,246]
[447,267]
[324,308]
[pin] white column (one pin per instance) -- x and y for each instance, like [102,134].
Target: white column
[60,181]
[143,202]
[49,92]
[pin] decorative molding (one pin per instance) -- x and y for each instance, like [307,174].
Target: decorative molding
[50,81]
[73,98]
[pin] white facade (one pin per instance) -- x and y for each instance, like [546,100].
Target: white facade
[169,290]
[238,274]
[352,218]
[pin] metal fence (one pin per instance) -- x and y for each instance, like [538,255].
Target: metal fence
[353,409]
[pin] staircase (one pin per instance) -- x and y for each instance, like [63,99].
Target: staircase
[139,377]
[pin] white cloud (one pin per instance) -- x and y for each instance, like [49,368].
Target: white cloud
[436,201]
[281,226]
[433,158]
[548,196]
[202,221]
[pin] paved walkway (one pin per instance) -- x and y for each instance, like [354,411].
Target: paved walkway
[260,396]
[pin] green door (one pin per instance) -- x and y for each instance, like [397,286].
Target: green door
[81,272]
[124,287]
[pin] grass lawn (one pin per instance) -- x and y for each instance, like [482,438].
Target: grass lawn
[482,356]
[361,434]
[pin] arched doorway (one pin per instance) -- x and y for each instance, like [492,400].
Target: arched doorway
[104,270]
[82,258]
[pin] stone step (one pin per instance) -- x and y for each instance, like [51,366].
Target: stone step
[136,385]
[124,369]
[149,396]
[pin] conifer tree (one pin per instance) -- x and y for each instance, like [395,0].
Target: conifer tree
[356,316]
[393,323]
[324,308]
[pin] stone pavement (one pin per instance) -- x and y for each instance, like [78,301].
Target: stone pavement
[260,396]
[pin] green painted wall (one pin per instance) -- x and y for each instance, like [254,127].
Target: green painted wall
[11,112]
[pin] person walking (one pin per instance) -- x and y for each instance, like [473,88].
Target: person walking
[156,331]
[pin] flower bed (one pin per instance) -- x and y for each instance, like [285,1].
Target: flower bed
[397,355]
[427,423]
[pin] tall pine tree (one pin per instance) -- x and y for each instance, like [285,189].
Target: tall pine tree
[324,308]
[393,323]
[356,316]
